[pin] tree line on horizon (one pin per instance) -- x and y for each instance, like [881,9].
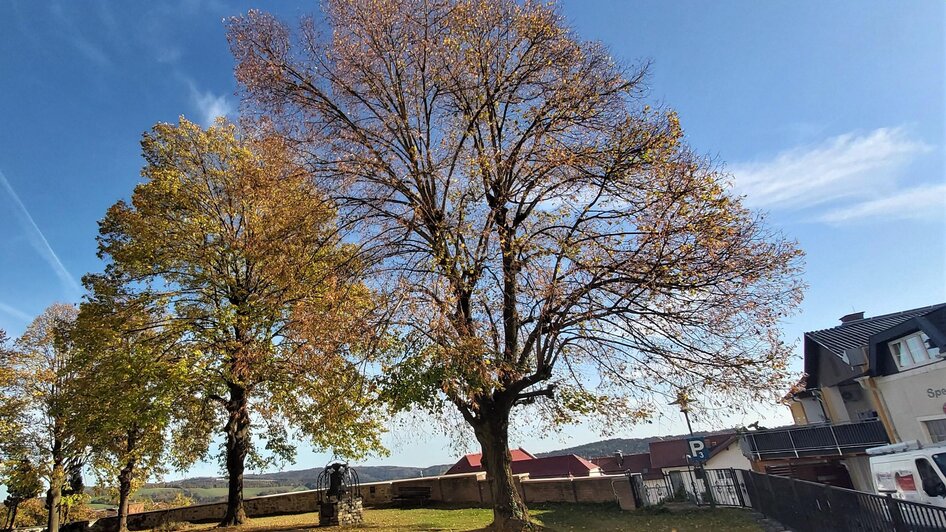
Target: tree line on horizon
[455,207]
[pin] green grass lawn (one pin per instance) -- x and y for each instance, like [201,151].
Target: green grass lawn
[159,492]
[561,517]
[101,505]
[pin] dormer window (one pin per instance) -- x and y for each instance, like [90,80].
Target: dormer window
[913,350]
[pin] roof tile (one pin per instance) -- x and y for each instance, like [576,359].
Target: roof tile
[854,334]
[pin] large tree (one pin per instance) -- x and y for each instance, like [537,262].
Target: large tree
[550,239]
[130,389]
[37,376]
[234,241]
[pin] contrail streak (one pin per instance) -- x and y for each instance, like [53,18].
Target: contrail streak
[38,240]
[15,312]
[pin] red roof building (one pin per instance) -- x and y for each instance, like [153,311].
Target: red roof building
[674,453]
[568,465]
[619,464]
[525,463]
[472,463]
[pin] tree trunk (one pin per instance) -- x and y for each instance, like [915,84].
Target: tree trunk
[238,442]
[54,499]
[509,510]
[11,514]
[124,492]
[54,494]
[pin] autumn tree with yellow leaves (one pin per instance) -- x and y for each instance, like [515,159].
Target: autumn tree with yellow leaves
[131,389]
[547,238]
[35,375]
[231,243]
[11,408]
[19,473]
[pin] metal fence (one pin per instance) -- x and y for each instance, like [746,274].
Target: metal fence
[650,493]
[800,505]
[721,487]
[726,487]
[815,439]
[808,506]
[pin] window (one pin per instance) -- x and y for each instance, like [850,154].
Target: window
[937,429]
[932,484]
[940,460]
[913,350]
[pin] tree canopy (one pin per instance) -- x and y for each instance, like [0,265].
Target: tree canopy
[132,389]
[230,236]
[546,236]
[35,375]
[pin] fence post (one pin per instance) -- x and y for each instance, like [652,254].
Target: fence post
[893,506]
[835,436]
[635,492]
[792,441]
[736,487]
[708,484]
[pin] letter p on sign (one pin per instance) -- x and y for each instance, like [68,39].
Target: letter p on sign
[698,449]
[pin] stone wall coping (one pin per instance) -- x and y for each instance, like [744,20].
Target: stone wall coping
[550,479]
[454,475]
[271,495]
[589,478]
[476,475]
[597,477]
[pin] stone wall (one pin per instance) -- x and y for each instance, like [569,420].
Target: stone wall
[295,502]
[580,489]
[472,489]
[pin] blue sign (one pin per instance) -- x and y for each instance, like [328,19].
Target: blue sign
[698,450]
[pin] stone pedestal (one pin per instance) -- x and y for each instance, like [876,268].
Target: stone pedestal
[334,512]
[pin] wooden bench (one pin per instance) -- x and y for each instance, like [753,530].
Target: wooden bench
[412,495]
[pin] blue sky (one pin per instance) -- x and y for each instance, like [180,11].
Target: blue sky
[830,116]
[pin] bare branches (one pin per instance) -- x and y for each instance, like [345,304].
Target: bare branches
[522,203]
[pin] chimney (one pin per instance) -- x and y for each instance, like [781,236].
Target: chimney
[620,456]
[854,316]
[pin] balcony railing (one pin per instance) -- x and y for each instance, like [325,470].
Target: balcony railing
[814,440]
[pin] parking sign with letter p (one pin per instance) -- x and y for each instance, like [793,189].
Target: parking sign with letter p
[698,449]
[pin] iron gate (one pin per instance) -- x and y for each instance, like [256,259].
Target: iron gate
[650,492]
[726,488]
[722,487]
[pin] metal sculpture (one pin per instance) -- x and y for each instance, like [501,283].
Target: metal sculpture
[338,482]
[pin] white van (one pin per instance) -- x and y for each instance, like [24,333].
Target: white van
[910,471]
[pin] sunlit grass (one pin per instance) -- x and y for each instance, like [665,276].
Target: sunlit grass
[561,517]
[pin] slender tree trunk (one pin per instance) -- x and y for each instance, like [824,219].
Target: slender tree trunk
[238,442]
[11,515]
[56,479]
[54,499]
[509,510]
[124,492]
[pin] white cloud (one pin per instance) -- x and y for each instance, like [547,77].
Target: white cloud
[167,53]
[38,240]
[921,202]
[847,168]
[209,105]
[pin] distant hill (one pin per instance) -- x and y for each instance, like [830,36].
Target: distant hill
[625,445]
[306,477]
[365,474]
